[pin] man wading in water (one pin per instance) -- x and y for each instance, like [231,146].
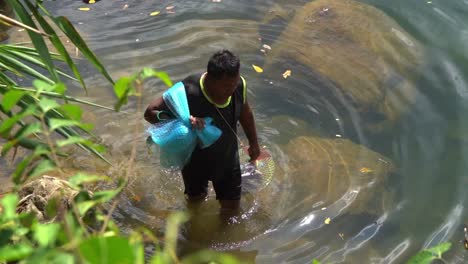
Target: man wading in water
[219,93]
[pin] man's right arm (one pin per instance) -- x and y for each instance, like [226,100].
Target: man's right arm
[151,113]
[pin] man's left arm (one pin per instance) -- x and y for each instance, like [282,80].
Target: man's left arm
[248,124]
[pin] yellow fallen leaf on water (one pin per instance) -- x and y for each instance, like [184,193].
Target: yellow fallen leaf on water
[327,221]
[84,8]
[286,74]
[155,13]
[256,68]
[92,2]
[365,170]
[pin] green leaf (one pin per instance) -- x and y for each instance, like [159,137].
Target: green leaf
[122,86]
[14,63]
[163,76]
[80,178]
[61,258]
[9,203]
[43,86]
[315,261]
[99,250]
[423,257]
[64,24]
[71,140]
[8,146]
[15,252]
[31,58]
[83,207]
[121,90]
[7,124]
[136,241]
[10,99]
[46,234]
[55,123]
[28,129]
[5,236]
[36,39]
[56,42]
[73,112]
[41,168]
[20,168]
[60,88]
[440,249]
[47,104]
[172,228]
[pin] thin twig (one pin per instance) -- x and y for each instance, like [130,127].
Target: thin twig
[12,21]
[108,216]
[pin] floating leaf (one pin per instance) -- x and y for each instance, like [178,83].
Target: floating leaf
[136,198]
[257,69]
[169,7]
[365,170]
[84,8]
[155,13]
[286,74]
[327,221]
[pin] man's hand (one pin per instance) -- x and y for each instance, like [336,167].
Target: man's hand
[254,152]
[197,122]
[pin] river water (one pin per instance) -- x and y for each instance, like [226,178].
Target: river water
[283,222]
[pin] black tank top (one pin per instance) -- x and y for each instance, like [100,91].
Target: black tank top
[224,151]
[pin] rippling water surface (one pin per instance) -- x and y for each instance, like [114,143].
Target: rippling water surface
[376,215]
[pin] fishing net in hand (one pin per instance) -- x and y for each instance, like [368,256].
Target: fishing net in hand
[175,137]
[257,174]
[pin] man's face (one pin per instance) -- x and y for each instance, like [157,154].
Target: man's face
[225,87]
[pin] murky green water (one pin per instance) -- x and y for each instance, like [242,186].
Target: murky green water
[419,205]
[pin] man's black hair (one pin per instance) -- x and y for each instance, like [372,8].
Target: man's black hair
[223,63]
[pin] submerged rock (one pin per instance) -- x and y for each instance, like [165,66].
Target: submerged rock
[365,56]
[327,170]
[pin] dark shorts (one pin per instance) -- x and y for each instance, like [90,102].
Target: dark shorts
[226,182]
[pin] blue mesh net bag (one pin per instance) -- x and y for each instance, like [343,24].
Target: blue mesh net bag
[175,137]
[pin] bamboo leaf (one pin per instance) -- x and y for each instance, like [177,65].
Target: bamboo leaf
[13,62]
[36,39]
[57,43]
[64,24]
[31,58]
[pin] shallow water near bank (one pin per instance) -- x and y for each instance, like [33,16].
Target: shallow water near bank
[425,196]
